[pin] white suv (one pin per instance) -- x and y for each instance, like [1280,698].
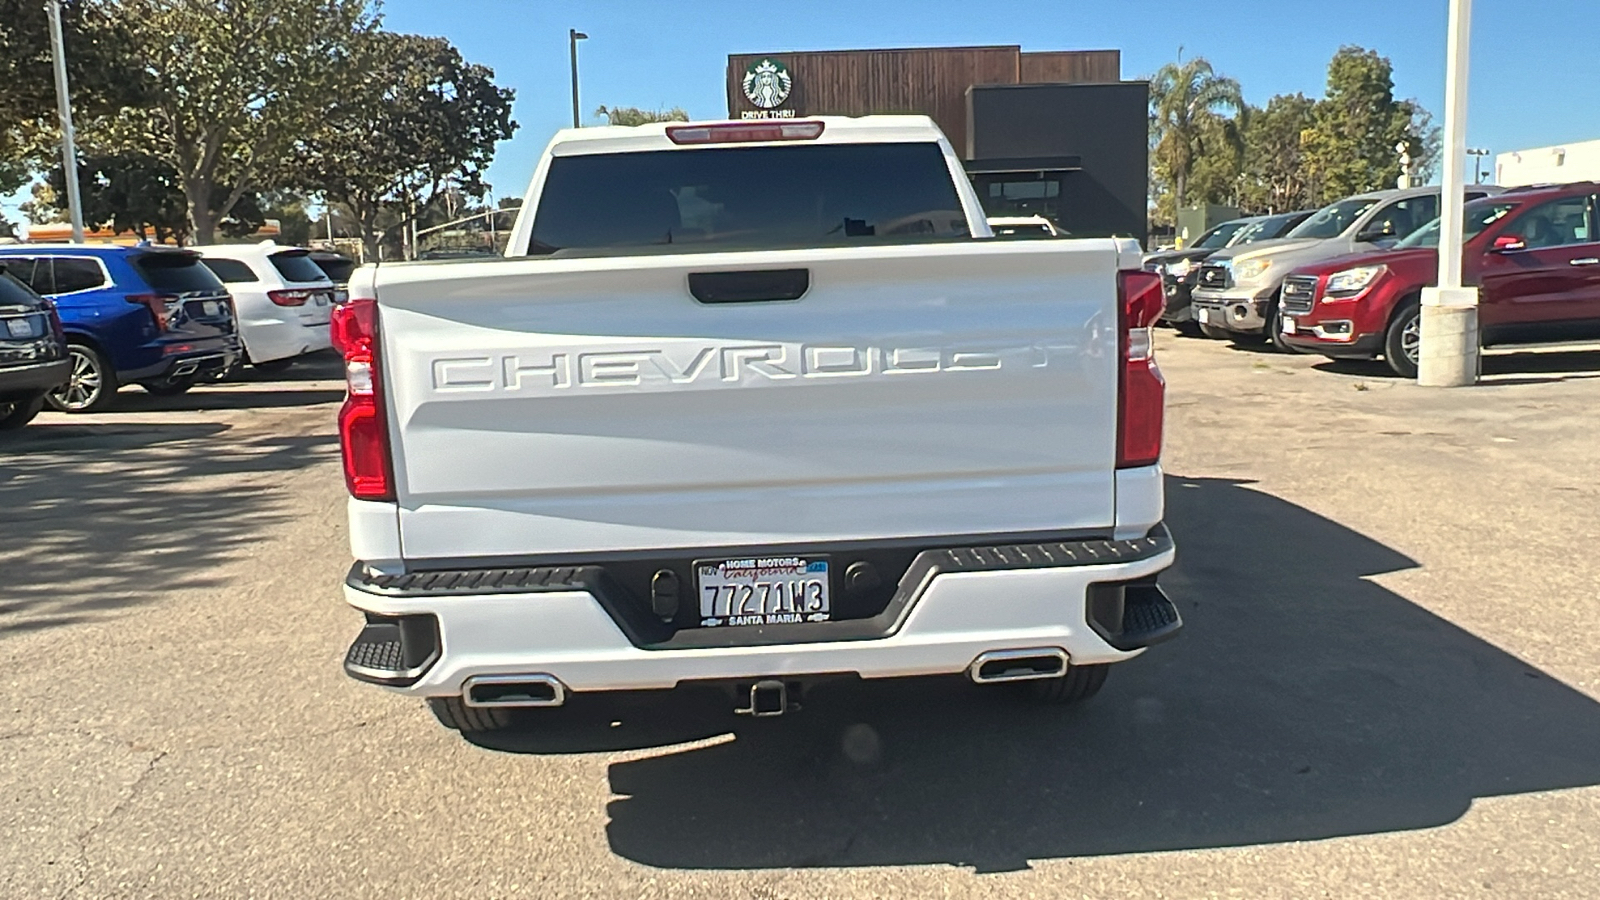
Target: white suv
[281,296]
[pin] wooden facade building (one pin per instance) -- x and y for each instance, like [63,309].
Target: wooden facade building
[932,81]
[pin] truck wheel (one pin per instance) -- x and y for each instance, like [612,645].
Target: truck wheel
[453,713]
[92,386]
[1215,333]
[1078,684]
[17,413]
[1401,341]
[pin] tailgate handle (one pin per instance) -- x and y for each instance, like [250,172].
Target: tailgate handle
[759,286]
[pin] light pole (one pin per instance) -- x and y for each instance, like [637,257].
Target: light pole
[573,37]
[1447,352]
[69,140]
[1477,154]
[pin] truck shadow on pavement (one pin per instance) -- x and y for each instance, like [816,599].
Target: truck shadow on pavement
[1303,701]
[103,518]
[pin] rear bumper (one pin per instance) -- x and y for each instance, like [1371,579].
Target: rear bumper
[268,338]
[180,360]
[29,381]
[980,600]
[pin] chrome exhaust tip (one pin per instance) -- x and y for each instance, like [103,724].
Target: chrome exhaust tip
[513,690]
[1018,665]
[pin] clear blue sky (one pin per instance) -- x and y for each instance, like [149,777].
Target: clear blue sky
[1535,78]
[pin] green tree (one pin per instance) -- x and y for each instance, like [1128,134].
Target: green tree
[436,119]
[1275,177]
[140,194]
[230,86]
[1218,161]
[633,115]
[43,208]
[1188,101]
[289,208]
[103,74]
[1351,145]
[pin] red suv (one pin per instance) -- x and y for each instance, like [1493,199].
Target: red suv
[1533,253]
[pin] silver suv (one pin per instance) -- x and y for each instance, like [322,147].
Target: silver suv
[1236,291]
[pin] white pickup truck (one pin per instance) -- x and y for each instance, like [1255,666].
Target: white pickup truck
[752,404]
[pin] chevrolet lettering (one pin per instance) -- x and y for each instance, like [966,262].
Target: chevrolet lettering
[531,372]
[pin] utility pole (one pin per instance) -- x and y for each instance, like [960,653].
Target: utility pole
[1477,154]
[573,37]
[69,139]
[1448,349]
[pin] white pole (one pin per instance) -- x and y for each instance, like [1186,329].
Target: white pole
[69,139]
[1448,354]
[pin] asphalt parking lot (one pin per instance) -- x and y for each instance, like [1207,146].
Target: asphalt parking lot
[1389,684]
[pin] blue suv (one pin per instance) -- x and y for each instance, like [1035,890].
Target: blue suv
[146,315]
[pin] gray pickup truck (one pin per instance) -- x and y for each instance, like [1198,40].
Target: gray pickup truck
[1236,294]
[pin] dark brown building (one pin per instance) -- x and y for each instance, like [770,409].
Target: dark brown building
[932,81]
[1056,133]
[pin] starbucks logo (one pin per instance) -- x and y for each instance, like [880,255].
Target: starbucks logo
[766,83]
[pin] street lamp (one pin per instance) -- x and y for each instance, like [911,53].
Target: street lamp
[1447,352]
[69,140]
[573,37]
[1477,154]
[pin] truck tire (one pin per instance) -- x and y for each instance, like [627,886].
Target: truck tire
[1078,684]
[17,413]
[453,713]
[1400,342]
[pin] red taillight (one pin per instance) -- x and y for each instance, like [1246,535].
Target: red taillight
[1141,391]
[55,320]
[158,306]
[745,132]
[363,433]
[289,298]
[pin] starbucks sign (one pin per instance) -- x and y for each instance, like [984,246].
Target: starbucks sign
[767,83]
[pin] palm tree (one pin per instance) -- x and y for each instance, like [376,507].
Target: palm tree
[1183,96]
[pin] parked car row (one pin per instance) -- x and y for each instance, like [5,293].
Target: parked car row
[1347,281]
[80,321]
[1178,268]
[1533,254]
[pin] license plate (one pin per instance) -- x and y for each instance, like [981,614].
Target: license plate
[212,308]
[783,590]
[1288,325]
[319,299]
[1205,316]
[19,328]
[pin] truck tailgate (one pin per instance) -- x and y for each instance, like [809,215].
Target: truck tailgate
[566,407]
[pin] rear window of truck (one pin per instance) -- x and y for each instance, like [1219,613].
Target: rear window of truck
[746,198]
